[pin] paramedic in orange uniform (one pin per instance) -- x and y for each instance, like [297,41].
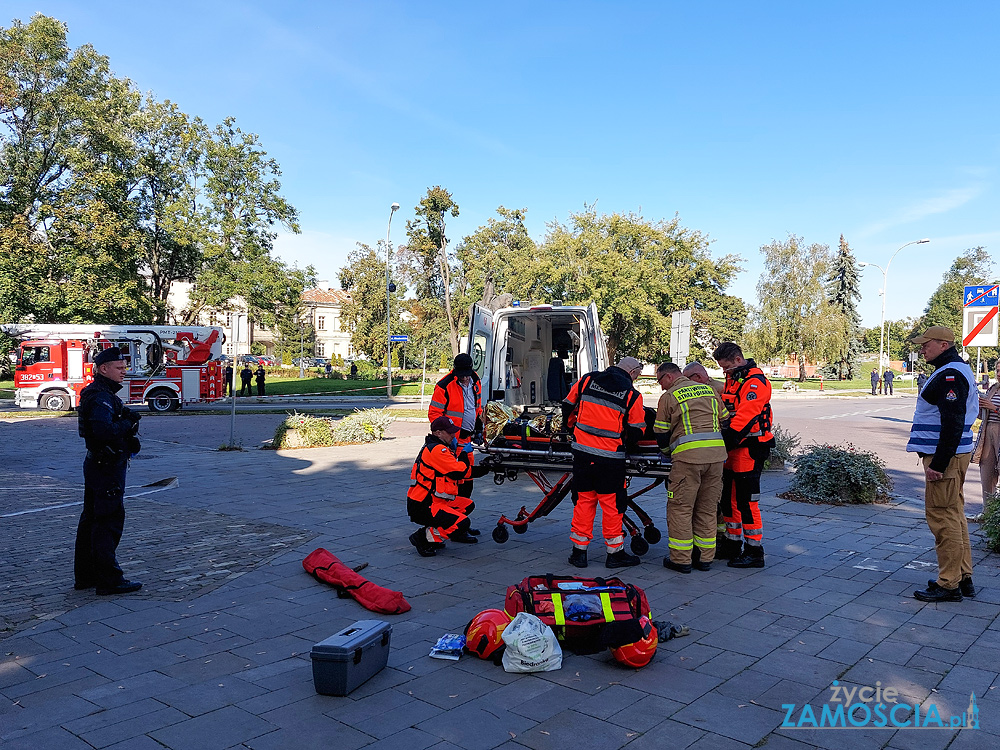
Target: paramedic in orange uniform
[747,396]
[607,410]
[459,397]
[433,500]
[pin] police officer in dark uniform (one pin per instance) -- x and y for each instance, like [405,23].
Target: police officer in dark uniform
[111,431]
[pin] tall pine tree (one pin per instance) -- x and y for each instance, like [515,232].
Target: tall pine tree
[842,292]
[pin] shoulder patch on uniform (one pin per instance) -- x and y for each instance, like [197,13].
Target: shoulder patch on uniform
[751,396]
[951,396]
[753,385]
[949,377]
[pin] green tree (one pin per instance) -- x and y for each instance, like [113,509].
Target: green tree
[244,203]
[495,259]
[944,308]
[69,249]
[427,260]
[636,271]
[843,293]
[169,157]
[364,278]
[794,318]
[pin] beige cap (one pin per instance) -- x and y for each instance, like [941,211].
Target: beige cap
[935,333]
[629,364]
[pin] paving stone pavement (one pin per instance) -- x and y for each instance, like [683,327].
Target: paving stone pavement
[214,651]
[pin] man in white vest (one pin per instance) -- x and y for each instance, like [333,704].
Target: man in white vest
[942,436]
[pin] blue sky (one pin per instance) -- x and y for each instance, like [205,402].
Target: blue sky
[879,121]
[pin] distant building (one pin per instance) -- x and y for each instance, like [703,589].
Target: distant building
[322,308]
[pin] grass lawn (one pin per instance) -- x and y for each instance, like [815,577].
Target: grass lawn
[293,386]
[864,383]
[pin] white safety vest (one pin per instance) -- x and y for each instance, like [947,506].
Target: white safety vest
[926,430]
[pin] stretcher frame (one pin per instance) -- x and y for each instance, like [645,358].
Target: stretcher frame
[543,463]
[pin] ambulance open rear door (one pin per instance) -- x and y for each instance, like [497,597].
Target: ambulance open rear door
[481,347]
[595,340]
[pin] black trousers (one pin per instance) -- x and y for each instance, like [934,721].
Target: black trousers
[102,523]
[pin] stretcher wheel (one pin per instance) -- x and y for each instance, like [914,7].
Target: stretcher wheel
[639,546]
[499,479]
[500,534]
[520,529]
[512,474]
[652,534]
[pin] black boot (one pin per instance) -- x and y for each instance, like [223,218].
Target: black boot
[696,562]
[727,549]
[463,536]
[966,587]
[752,557]
[419,540]
[578,557]
[936,593]
[621,559]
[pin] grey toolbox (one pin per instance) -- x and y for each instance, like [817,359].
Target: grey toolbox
[345,660]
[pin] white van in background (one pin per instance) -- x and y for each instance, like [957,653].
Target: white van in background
[529,356]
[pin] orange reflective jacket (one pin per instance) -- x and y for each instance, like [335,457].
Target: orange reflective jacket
[747,396]
[449,399]
[438,471]
[605,405]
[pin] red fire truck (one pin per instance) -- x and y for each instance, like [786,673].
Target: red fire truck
[168,365]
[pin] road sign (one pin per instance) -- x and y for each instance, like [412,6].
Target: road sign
[979,326]
[680,337]
[984,295]
[400,339]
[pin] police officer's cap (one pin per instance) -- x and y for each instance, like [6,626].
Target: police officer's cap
[114,354]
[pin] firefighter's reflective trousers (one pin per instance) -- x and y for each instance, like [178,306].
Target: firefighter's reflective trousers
[598,481]
[692,501]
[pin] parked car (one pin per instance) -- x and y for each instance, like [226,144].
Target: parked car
[320,361]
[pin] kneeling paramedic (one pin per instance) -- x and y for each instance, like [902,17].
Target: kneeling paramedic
[433,500]
[608,412]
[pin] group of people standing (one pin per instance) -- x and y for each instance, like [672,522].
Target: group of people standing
[718,437]
[247,378]
[882,384]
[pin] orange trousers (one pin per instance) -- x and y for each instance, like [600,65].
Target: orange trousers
[584,514]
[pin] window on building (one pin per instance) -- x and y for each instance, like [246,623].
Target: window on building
[229,348]
[321,323]
[320,348]
[229,320]
[336,323]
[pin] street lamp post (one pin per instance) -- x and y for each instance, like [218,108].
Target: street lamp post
[388,297]
[885,277]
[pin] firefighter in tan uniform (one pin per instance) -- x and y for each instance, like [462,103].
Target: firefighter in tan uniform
[687,428]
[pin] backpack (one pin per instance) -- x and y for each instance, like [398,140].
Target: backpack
[587,615]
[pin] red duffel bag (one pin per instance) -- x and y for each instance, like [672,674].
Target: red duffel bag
[324,566]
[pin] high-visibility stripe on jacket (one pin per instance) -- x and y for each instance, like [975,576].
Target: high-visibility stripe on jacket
[438,472]
[925,433]
[689,414]
[448,399]
[606,404]
[747,396]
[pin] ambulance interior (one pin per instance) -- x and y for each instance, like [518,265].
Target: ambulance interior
[538,355]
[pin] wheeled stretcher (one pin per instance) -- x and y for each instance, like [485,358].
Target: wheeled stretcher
[546,458]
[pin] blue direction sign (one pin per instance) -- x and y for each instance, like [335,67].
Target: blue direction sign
[980,296]
[401,339]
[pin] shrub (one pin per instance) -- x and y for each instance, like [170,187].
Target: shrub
[990,525]
[785,446]
[304,431]
[840,475]
[367,370]
[363,426]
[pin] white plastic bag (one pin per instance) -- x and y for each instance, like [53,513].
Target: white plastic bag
[531,646]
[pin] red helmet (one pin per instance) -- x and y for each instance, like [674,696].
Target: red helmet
[483,633]
[640,653]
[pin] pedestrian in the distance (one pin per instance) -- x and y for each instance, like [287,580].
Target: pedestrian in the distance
[942,436]
[229,380]
[354,371]
[986,451]
[246,376]
[887,379]
[875,381]
[329,370]
[985,382]
[111,434]
[259,376]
